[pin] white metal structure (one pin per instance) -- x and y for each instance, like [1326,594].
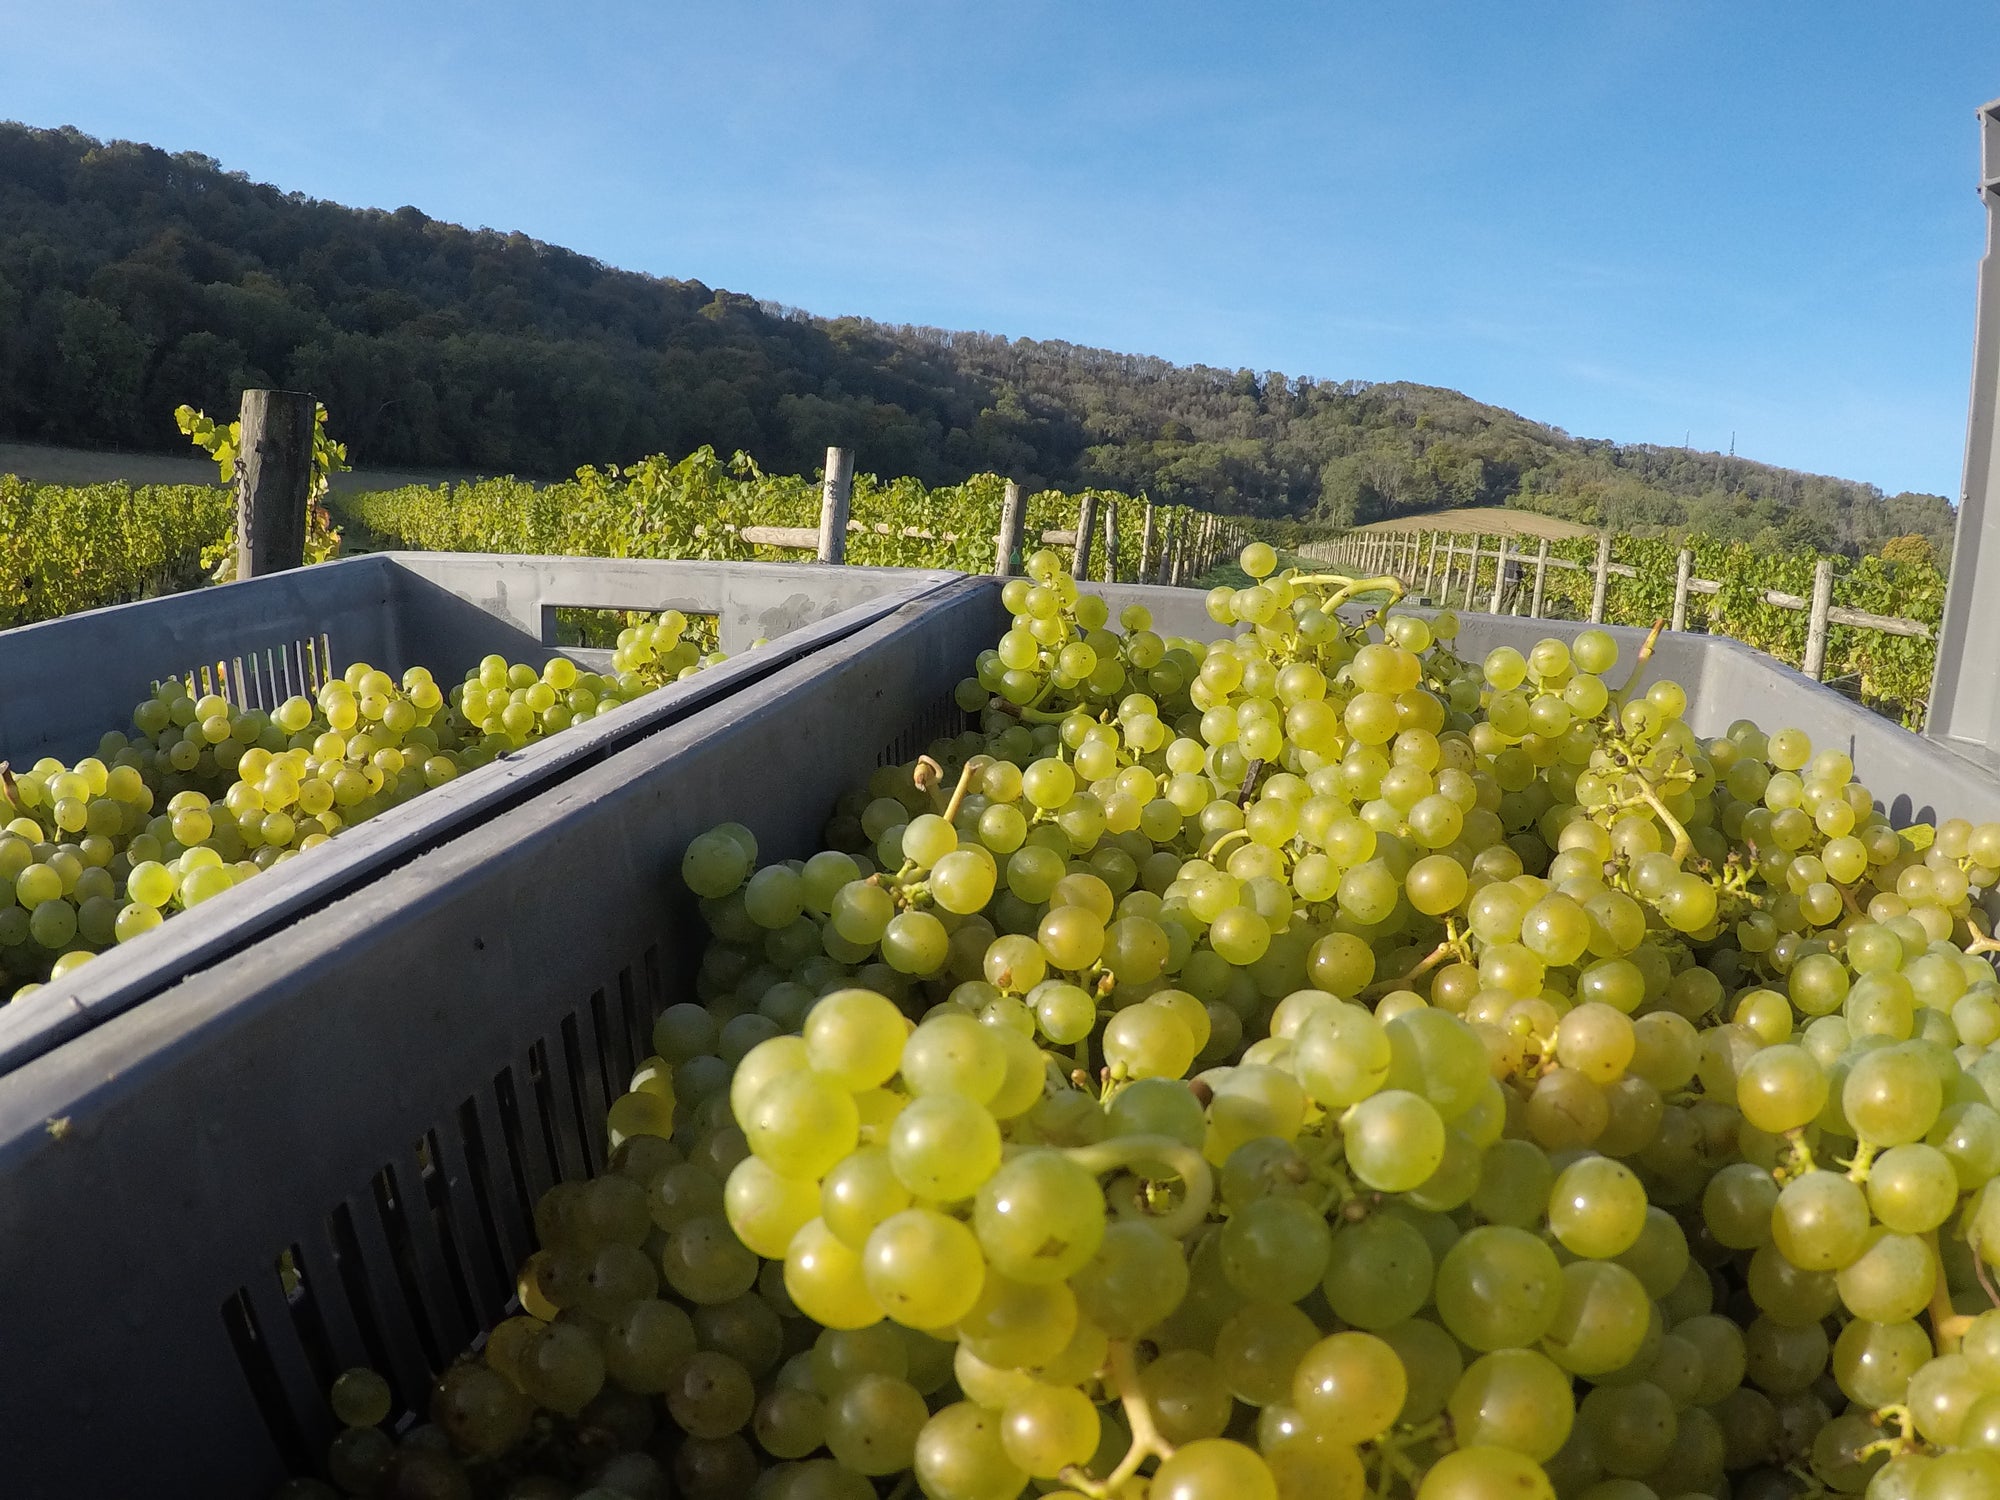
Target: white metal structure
[1965,696]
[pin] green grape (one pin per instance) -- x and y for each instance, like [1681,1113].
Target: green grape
[1912,1189]
[1258,1348]
[710,1395]
[1437,1056]
[943,1146]
[1597,1207]
[802,1124]
[1136,1278]
[1602,1321]
[1342,1056]
[1395,1139]
[1781,1088]
[840,1356]
[856,1038]
[827,1280]
[1820,1221]
[1940,1394]
[1017,1324]
[1630,1427]
[1515,1179]
[1349,1387]
[1783,1361]
[1145,1041]
[1596,1039]
[923,1268]
[789,1423]
[952,1054]
[1891,1096]
[1378,1272]
[1040,1218]
[959,1454]
[1186,1396]
[1498,1287]
[360,1398]
[859,1192]
[1156,1106]
[561,1367]
[705,1262]
[1737,1205]
[715,865]
[1213,1469]
[1047,1428]
[766,1209]
[1891,1280]
[872,1424]
[1277,1247]
[1514,1399]
[1483,1472]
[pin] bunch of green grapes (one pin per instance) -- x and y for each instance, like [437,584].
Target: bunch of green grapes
[1302,1064]
[202,795]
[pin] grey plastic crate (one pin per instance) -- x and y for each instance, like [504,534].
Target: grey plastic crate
[383,1089]
[65,682]
[479,1004]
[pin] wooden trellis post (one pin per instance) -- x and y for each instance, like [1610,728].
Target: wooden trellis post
[273,480]
[1013,519]
[836,495]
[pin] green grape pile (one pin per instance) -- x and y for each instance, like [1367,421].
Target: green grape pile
[1295,1067]
[201,795]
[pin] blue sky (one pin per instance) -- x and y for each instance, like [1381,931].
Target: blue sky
[1646,222]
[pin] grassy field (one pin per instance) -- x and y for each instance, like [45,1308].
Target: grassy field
[81,466]
[1491,519]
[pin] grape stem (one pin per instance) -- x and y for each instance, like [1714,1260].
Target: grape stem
[1639,666]
[1858,1165]
[1223,838]
[1389,1448]
[1947,1324]
[1417,970]
[1251,773]
[1982,941]
[1146,1440]
[1349,587]
[958,793]
[1799,1160]
[1186,1162]
[1905,1439]
[1979,1269]
[1683,845]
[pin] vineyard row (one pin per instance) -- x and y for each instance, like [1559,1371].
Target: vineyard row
[67,548]
[1867,626]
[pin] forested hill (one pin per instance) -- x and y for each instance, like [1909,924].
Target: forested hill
[132,280]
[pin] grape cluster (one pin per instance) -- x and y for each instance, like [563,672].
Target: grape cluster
[201,794]
[1292,1067]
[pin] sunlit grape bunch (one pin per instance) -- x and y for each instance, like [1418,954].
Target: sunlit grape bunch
[202,794]
[1300,1064]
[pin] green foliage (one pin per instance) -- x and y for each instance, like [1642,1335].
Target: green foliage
[65,548]
[1914,549]
[697,506]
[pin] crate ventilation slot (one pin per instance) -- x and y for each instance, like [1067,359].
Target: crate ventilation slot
[410,1271]
[264,679]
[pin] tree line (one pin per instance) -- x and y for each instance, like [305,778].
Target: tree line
[133,280]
